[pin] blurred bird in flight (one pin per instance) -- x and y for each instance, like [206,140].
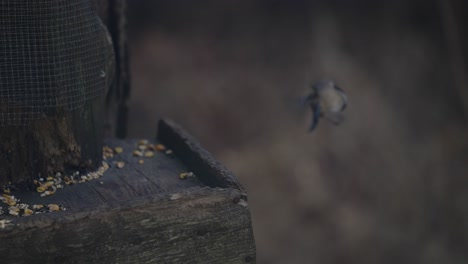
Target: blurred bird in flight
[326,100]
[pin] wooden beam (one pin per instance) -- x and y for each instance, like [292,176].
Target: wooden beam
[140,213]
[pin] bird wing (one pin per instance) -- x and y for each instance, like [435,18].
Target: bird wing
[315,117]
[343,95]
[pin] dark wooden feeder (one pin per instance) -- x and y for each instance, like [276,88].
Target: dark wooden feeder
[177,206]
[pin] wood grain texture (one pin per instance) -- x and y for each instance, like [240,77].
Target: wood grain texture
[203,225]
[206,167]
[69,140]
[141,213]
[114,15]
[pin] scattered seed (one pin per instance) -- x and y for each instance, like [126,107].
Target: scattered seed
[176,196]
[143,142]
[53,207]
[94,175]
[4,223]
[160,147]
[28,212]
[47,193]
[120,164]
[142,147]
[37,206]
[13,213]
[11,202]
[118,150]
[67,180]
[23,206]
[137,153]
[14,208]
[6,191]
[149,154]
[107,152]
[169,152]
[150,147]
[185,175]
[141,161]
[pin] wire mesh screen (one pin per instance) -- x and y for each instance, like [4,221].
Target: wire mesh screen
[52,58]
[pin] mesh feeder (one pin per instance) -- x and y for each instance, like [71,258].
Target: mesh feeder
[56,64]
[55,55]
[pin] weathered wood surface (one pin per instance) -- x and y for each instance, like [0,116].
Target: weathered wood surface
[141,213]
[66,141]
[208,169]
[114,15]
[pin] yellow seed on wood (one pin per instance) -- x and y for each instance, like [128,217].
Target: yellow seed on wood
[28,212]
[48,184]
[23,206]
[14,208]
[47,193]
[143,142]
[150,147]
[53,207]
[11,202]
[120,164]
[185,175]
[118,150]
[160,147]
[142,147]
[13,213]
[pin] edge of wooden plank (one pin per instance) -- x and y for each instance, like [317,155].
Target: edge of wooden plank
[70,238]
[159,200]
[210,171]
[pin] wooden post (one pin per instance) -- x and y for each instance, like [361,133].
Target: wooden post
[114,15]
[69,141]
[51,88]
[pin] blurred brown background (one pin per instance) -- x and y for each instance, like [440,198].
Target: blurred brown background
[390,185]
